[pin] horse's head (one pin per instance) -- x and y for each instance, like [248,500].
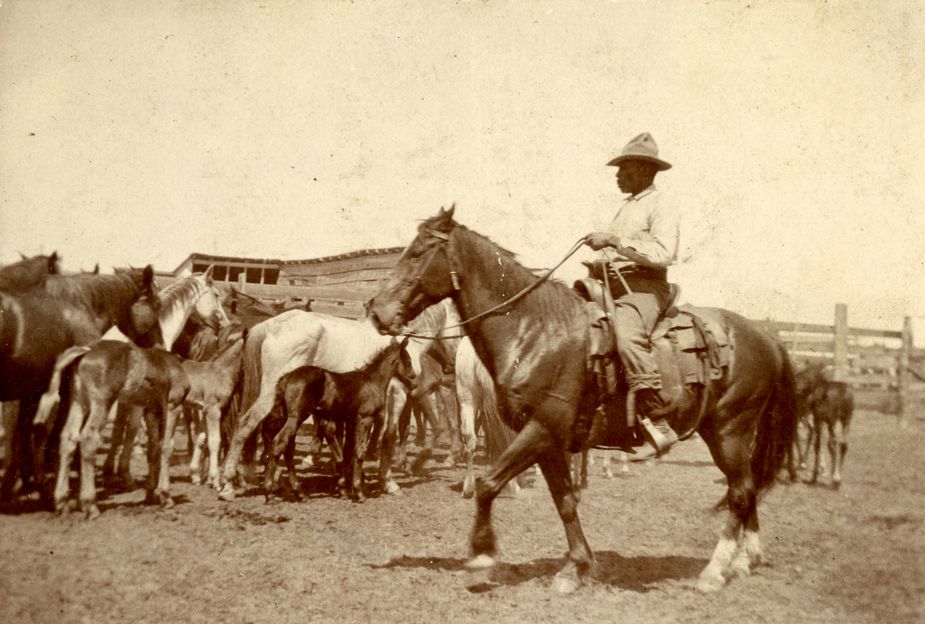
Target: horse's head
[399,361]
[208,308]
[422,277]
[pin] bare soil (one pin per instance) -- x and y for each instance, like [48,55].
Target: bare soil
[854,555]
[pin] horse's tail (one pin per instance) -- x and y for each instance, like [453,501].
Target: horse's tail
[777,428]
[60,380]
[252,367]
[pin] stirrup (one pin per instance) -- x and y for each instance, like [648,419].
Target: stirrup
[659,434]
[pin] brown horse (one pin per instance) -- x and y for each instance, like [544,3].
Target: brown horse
[39,322]
[356,398]
[536,348]
[28,272]
[150,379]
[831,404]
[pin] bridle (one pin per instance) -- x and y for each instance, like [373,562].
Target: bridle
[455,281]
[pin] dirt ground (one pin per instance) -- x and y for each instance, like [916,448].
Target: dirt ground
[850,556]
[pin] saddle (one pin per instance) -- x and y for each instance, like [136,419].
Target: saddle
[691,346]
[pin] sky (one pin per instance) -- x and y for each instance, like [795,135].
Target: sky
[139,132]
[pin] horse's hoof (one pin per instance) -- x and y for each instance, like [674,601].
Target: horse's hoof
[740,567]
[62,507]
[91,511]
[166,500]
[195,479]
[468,490]
[227,493]
[479,571]
[836,485]
[565,585]
[708,583]
[392,488]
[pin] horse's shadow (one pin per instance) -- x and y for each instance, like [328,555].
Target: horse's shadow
[640,574]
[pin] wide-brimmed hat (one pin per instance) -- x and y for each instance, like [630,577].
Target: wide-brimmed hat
[642,147]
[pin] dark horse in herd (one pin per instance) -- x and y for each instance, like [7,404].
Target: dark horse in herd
[535,343]
[42,313]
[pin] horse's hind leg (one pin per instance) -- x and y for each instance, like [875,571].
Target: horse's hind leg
[167,443]
[732,456]
[389,438]
[90,439]
[248,423]
[837,448]
[70,438]
[116,440]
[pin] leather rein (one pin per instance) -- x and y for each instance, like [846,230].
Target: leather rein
[454,278]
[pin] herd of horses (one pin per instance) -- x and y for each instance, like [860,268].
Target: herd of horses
[461,336]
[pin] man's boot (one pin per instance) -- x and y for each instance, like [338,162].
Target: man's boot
[651,414]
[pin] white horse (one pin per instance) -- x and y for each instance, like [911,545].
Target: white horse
[296,339]
[475,391]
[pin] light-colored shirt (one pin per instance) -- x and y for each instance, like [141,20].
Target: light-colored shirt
[648,225]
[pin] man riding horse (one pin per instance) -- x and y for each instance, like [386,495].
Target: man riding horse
[636,249]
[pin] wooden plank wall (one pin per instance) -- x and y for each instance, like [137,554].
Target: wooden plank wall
[879,364]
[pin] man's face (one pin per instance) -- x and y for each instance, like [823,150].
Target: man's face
[634,176]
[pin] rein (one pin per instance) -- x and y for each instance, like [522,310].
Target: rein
[519,295]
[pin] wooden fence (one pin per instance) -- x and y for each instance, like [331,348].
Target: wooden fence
[883,367]
[887,373]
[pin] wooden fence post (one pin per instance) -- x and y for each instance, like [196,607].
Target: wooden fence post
[841,342]
[903,372]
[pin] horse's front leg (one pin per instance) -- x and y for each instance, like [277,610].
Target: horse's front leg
[467,430]
[364,427]
[532,442]
[154,423]
[213,418]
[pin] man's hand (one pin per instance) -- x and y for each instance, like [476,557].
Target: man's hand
[599,240]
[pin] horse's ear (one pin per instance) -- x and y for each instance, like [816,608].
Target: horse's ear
[96,269]
[447,213]
[445,218]
[147,277]
[53,260]
[208,274]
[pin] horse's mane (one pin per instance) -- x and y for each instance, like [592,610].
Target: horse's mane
[432,318]
[96,291]
[28,272]
[551,300]
[179,294]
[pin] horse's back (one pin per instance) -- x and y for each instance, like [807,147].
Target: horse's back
[335,344]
